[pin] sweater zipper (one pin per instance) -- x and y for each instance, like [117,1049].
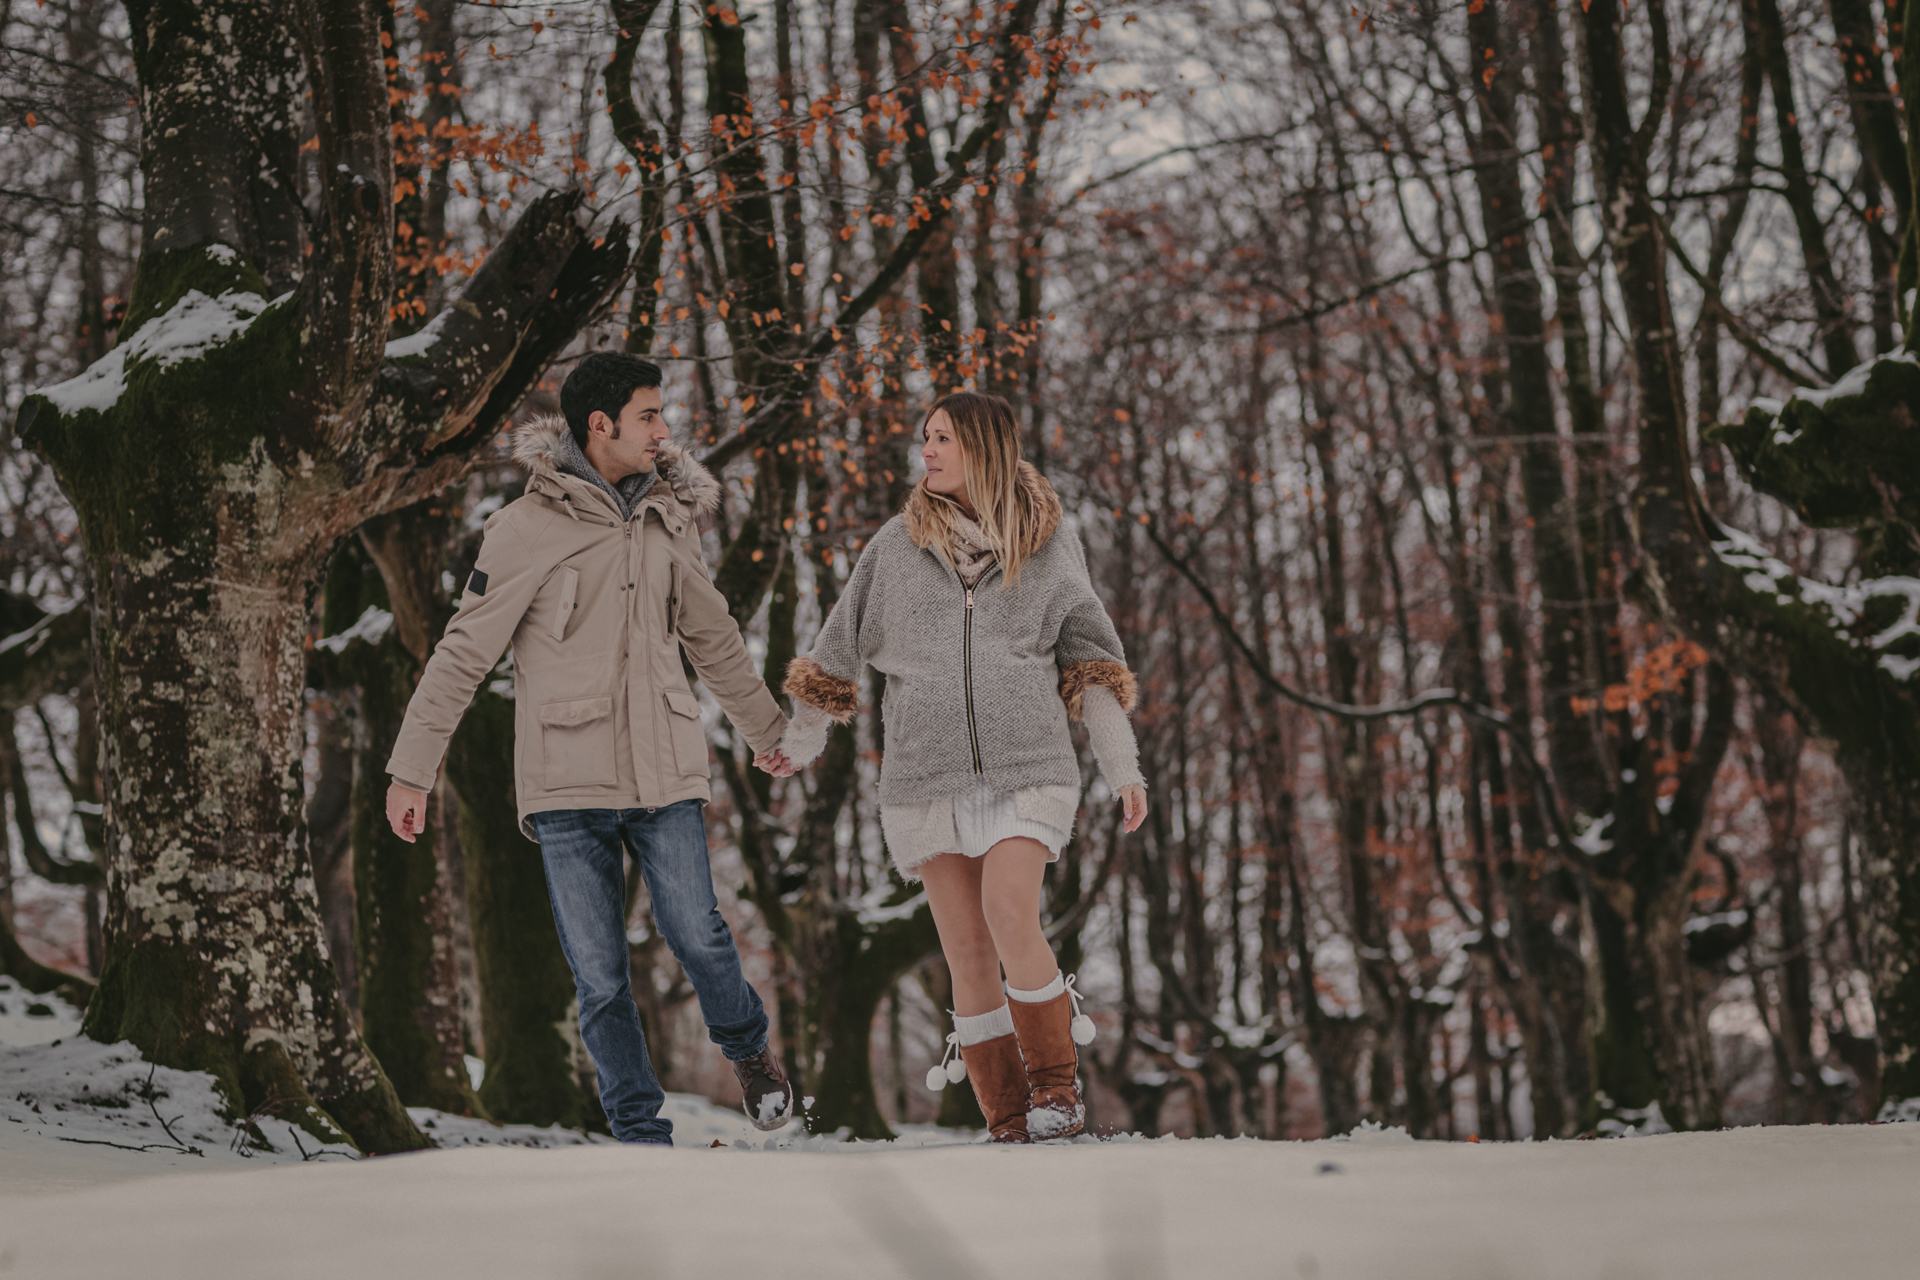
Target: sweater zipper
[973,730]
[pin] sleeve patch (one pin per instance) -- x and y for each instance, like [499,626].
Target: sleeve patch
[477,583]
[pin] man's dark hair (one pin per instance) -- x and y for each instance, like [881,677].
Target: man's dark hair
[605,380]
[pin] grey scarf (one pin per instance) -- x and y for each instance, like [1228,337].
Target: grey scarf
[626,495]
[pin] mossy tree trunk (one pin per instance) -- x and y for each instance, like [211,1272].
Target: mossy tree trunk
[1840,658]
[528,1014]
[852,965]
[1844,659]
[409,987]
[249,419]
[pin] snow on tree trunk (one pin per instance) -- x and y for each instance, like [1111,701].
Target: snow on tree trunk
[216,959]
[251,416]
[1840,657]
[1844,657]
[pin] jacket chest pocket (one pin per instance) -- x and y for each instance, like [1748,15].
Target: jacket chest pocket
[577,743]
[673,599]
[689,740]
[569,601]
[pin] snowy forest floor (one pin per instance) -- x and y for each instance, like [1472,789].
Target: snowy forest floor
[93,1184]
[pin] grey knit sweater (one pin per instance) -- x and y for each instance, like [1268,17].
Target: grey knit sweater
[973,694]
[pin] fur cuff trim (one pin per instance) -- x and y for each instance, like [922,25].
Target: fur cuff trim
[1081,676]
[813,684]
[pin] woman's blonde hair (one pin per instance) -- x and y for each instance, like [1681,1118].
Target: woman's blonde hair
[990,454]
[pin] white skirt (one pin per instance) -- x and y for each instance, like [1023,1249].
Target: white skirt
[973,822]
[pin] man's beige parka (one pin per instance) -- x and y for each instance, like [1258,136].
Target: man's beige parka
[597,610]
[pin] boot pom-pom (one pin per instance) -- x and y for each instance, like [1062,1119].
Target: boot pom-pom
[1083,1030]
[957,1070]
[936,1078]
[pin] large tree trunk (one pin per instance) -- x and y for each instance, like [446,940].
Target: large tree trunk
[1842,660]
[216,960]
[1839,658]
[1644,879]
[853,964]
[1566,658]
[404,909]
[213,459]
[528,1014]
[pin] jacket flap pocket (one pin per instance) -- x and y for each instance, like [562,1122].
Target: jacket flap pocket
[683,703]
[575,711]
[569,593]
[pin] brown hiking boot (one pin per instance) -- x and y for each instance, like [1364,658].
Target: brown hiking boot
[1045,1033]
[999,1081]
[766,1095]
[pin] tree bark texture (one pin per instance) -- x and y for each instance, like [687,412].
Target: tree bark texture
[1642,883]
[250,418]
[404,910]
[1838,660]
[529,1016]
[1842,661]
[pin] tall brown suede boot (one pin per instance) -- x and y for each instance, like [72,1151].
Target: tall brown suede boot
[999,1080]
[1045,1032]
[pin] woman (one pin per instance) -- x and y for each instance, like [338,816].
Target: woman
[990,636]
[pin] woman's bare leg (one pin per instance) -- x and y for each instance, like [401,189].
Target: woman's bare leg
[953,891]
[1010,901]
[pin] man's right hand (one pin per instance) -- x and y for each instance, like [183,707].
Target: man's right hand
[406,811]
[776,763]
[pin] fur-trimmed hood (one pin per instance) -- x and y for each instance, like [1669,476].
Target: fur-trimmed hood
[536,450]
[1033,486]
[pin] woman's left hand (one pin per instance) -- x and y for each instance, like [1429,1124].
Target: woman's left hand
[776,763]
[1133,802]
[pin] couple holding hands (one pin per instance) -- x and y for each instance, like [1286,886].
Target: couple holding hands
[972,602]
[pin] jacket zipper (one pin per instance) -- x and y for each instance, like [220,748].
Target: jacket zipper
[973,731]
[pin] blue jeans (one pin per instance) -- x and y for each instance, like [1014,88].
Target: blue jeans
[584,853]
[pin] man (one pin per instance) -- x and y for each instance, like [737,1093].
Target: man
[596,579]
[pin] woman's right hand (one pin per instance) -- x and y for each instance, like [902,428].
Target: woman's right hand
[1133,804]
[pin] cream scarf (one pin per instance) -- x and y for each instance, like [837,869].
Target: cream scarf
[973,554]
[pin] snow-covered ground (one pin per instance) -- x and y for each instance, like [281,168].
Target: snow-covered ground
[1797,1204]
[76,1114]
[92,1183]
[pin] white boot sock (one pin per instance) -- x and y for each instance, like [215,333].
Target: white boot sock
[1049,992]
[978,1029]
[984,1026]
